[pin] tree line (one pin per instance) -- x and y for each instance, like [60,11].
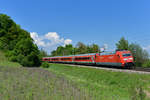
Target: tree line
[80,48]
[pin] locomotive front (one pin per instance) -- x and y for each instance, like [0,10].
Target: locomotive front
[126,58]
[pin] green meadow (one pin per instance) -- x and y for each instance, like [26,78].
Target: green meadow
[106,85]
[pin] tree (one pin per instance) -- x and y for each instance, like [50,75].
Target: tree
[122,44]
[43,53]
[60,51]
[81,48]
[25,47]
[140,55]
[95,48]
[69,49]
[53,53]
[27,53]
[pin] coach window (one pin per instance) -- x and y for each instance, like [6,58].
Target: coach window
[83,58]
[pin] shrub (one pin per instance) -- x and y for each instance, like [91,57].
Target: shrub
[13,58]
[25,62]
[20,58]
[146,64]
[45,65]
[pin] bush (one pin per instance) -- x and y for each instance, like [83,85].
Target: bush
[146,64]
[13,58]
[45,65]
[26,62]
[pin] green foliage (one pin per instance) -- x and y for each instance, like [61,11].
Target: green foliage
[43,53]
[13,58]
[17,43]
[122,44]
[69,49]
[94,48]
[30,60]
[140,55]
[4,62]
[79,49]
[45,65]
[146,64]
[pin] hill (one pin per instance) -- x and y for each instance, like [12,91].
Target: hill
[17,43]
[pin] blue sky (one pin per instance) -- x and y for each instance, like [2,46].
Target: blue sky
[58,22]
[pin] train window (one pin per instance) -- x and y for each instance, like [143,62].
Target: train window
[54,58]
[65,58]
[126,54]
[82,58]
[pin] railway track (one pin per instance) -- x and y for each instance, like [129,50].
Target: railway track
[138,70]
[142,69]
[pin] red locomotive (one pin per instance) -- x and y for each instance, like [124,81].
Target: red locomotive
[121,58]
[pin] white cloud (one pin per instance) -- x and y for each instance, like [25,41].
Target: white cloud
[67,41]
[54,37]
[38,40]
[49,41]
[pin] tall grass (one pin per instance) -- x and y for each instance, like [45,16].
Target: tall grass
[19,83]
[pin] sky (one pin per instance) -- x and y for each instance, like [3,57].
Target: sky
[52,23]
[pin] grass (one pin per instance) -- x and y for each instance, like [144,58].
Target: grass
[106,85]
[63,82]
[4,61]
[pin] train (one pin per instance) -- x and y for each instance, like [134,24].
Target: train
[118,58]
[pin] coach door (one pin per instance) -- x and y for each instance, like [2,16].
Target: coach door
[93,60]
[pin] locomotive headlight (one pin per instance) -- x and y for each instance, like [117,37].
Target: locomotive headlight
[125,59]
[131,58]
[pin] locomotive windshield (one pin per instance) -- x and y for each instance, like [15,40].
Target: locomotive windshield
[126,54]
